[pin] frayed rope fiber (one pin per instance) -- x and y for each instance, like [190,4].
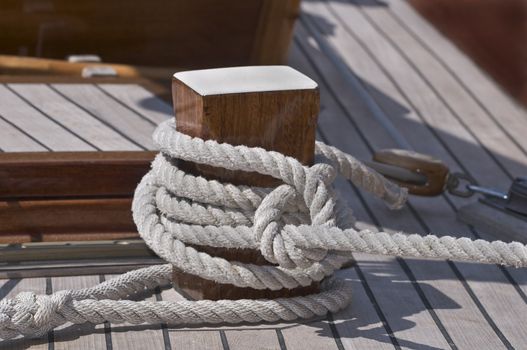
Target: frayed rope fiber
[302,227]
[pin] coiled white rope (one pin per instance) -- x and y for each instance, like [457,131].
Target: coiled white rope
[301,227]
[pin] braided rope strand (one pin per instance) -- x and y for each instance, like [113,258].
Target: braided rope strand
[302,227]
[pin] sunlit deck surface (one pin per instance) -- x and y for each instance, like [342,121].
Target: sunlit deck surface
[387,80]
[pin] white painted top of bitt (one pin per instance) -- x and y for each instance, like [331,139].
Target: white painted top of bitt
[234,80]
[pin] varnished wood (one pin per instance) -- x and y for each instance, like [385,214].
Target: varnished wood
[50,175]
[24,66]
[150,32]
[492,32]
[275,31]
[197,288]
[15,238]
[283,121]
[66,216]
[56,176]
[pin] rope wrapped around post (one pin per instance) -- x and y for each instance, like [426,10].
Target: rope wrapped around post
[302,226]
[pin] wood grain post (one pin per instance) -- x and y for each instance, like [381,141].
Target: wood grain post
[273,107]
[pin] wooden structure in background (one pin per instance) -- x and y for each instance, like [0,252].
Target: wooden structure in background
[145,37]
[492,32]
[37,175]
[199,33]
[69,195]
[275,108]
[27,66]
[69,166]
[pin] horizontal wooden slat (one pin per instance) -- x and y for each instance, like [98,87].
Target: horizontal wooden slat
[71,174]
[66,216]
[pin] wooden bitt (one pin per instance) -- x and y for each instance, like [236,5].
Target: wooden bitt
[272,107]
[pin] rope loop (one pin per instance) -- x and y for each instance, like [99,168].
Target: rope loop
[267,226]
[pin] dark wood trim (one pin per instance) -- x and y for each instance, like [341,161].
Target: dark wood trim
[41,217]
[33,175]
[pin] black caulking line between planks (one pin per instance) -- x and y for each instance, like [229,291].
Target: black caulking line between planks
[25,133]
[51,334]
[164,326]
[140,115]
[107,325]
[104,122]
[51,118]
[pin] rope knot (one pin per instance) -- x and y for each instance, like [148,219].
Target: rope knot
[30,313]
[320,201]
[267,225]
[322,172]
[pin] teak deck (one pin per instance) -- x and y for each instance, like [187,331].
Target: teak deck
[387,79]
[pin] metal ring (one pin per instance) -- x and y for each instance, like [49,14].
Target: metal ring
[454,183]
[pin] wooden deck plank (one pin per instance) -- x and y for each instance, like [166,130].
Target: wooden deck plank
[112,112]
[457,228]
[405,307]
[296,335]
[190,338]
[339,129]
[359,325]
[85,336]
[140,100]
[482,87]
[374,24]
[83,125]
[402,115]
[195,339]
[433,109]
[136,337]
[520,277]
[409,121]
[315,335]
[404,301]
[14,140]
[453,91]
[330,122]
[252,339]
[484,269]
[37,125]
